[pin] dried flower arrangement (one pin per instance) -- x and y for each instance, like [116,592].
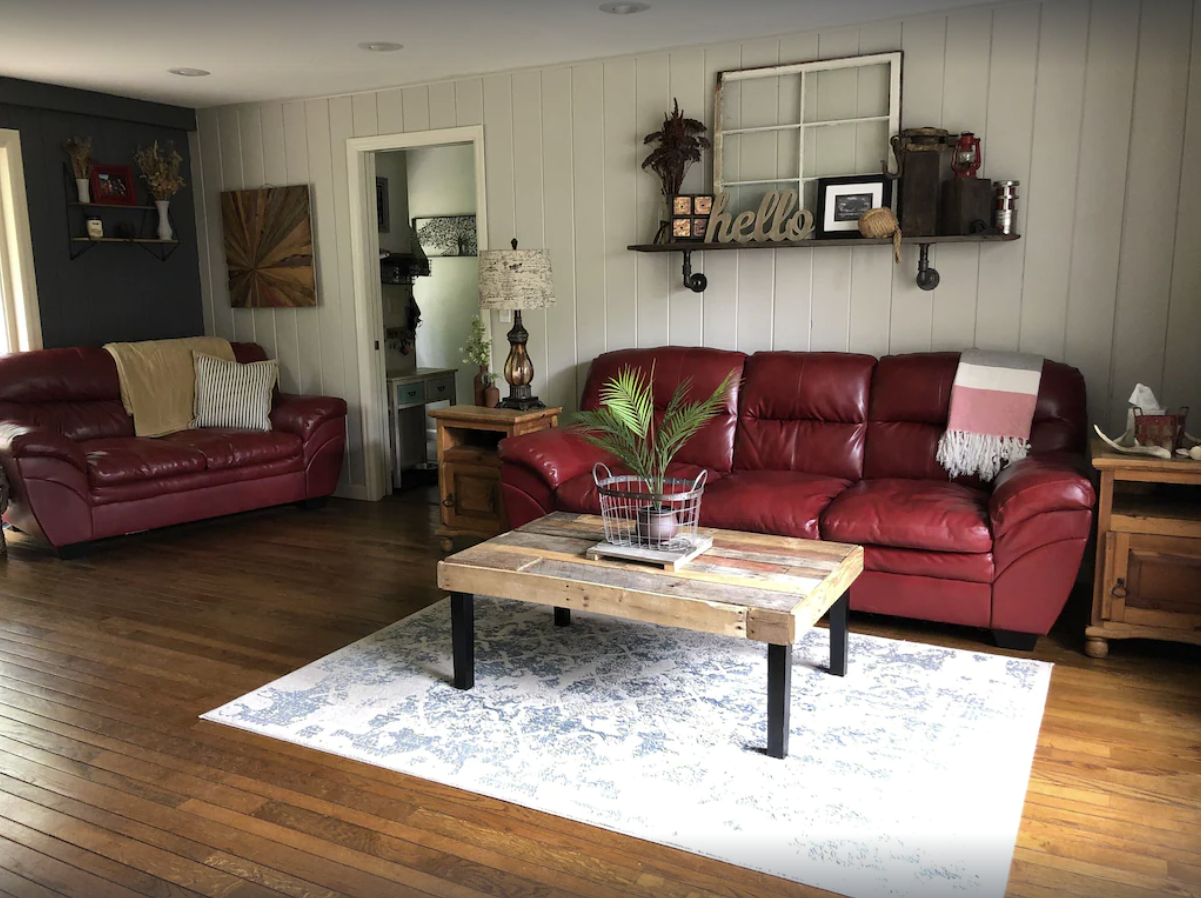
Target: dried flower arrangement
[160,169]
[680,142]
[79,149]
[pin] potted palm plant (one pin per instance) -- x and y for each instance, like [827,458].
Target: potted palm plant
[625,427]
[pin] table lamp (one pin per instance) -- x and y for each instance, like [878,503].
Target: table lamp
[517,279]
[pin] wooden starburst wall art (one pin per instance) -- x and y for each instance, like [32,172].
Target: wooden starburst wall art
[269,247]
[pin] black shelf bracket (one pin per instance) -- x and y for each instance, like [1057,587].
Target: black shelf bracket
[694,282]
[927,275]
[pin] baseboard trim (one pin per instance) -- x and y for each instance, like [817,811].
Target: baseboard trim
[353,491]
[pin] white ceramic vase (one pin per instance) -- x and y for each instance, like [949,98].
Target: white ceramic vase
[164,222]
[84,189]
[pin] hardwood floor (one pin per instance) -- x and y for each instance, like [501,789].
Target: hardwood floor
[110,787]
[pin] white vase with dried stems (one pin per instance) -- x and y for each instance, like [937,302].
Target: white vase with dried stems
[79,149]
[160,169]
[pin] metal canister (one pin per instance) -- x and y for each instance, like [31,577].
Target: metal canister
[1005,196]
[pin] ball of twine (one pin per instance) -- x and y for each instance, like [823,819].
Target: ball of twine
[880,222]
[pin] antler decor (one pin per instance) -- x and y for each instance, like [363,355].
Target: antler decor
[680,142]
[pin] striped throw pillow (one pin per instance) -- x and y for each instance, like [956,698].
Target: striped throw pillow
[229,394]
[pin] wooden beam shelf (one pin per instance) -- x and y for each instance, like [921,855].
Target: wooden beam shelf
[927,277]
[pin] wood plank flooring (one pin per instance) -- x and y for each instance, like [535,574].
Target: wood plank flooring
[110,787]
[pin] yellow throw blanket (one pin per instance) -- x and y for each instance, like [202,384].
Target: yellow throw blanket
[158,380]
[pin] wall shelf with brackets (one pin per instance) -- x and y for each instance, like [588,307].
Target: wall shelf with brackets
[927,277]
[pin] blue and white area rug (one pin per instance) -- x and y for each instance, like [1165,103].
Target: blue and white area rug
[905,778]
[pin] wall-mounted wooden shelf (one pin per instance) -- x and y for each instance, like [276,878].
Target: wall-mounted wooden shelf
[120,240]
[160,249]
[77,213]
[927,277]
[116,206]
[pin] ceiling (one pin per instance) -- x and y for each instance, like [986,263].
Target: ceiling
[275,49]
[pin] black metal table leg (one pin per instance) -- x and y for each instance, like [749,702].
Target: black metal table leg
[838,636]
[779,698]
[462,630]
[562,617]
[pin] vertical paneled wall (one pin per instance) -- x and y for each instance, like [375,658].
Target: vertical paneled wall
[1092,104]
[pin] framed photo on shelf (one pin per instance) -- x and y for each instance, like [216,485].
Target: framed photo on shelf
[113,185]
[841,202]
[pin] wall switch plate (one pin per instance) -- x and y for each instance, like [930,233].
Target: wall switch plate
[505,315]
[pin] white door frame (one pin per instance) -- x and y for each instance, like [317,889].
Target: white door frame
[22,322]
[368,293]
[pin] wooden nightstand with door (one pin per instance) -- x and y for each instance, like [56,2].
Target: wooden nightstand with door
[469,468]
[1148,581]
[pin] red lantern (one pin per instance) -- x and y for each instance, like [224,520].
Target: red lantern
[968,157]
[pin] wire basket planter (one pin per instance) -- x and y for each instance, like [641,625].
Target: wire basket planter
[647,526]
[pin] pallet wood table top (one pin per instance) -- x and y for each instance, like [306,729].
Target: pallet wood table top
[752,585]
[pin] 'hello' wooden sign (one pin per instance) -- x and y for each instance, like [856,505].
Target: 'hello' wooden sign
[775,221]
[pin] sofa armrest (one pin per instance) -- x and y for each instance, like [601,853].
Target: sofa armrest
[302,415]
[1037,485]
[21,441]
[555,456]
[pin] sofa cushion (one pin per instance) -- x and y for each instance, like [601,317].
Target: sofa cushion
[713,446]
[127,459]
[804,411]
[223,449]
[975,568]
[579,493]
[788,503]
[911,514]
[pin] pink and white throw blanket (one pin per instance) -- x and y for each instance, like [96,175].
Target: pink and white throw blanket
[992,405]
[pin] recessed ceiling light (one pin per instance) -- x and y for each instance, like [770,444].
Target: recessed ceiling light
[380,46]
[624,9]
[190,73]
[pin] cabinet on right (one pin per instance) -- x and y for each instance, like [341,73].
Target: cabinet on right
[1148,579]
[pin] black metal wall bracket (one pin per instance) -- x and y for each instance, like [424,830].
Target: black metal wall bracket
[694,282]
[927,276]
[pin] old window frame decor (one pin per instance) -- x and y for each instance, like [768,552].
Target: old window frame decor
[807,71]
[269,247]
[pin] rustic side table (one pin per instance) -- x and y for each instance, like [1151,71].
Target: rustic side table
[1148,581]
[469,468]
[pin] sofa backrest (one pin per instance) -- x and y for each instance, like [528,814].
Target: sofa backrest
[806,412]
[74,392]
[713,447]
[910,403]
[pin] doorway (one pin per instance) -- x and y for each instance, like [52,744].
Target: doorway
[418,224]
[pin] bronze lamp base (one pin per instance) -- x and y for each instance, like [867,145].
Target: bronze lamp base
[519,370]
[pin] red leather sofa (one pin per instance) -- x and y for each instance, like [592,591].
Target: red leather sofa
[841,447]
[77,473]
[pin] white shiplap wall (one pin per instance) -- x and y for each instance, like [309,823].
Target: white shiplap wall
[1092,104]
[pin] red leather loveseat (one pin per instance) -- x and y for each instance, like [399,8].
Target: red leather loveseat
[77,473]
[841,447]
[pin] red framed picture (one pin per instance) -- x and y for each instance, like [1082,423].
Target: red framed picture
[113,185]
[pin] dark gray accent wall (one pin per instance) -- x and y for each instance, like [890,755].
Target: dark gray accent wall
[113,291]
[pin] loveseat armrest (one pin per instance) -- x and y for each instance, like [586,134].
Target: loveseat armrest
[555,456]
[303,415]
[21,441]
[1036,485]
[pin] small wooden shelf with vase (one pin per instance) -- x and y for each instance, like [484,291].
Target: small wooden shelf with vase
[469,468]
[1148,579]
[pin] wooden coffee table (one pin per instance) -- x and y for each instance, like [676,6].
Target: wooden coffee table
[749,585]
